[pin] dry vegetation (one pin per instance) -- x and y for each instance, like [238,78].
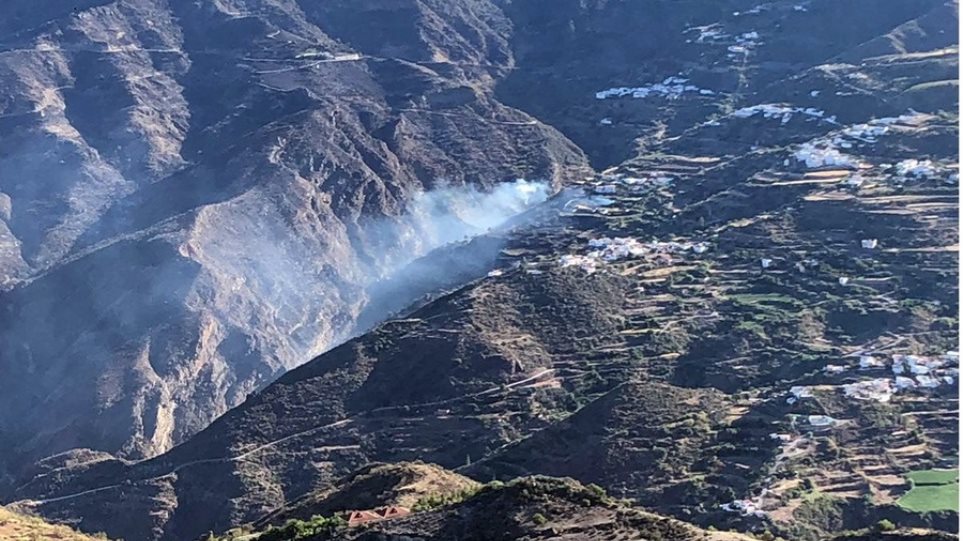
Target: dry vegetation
[17,527]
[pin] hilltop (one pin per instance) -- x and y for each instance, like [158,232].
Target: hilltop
[527,508]
[405,484]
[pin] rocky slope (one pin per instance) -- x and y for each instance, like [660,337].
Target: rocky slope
[717,326]
[407,484]
[194,197]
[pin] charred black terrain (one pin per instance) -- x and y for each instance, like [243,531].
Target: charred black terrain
[746,318]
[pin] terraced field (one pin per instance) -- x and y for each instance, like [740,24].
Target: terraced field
[933,490]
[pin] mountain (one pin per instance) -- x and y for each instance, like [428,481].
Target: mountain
[746,318]
[196,196]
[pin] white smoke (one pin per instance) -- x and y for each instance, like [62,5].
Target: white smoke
[450,214]
[447,216]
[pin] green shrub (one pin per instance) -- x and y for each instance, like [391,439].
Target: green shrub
[294,530]
[598,491]
[885,525]
[434,501]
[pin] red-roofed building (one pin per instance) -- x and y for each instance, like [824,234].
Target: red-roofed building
[356,518]
[395,511]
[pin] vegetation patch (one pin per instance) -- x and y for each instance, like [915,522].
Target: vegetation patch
[14,527]
[933,490]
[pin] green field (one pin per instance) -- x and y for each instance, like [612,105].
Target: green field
[933,490]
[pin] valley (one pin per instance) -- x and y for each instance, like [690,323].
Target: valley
[734,313]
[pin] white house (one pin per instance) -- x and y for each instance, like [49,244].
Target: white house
[879,389]
[821,420]
[869,244]
[868,361]
[903,383]
[799,392]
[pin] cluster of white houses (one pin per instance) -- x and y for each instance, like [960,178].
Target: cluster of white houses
[608,249]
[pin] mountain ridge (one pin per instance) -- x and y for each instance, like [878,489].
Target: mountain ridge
[686,328]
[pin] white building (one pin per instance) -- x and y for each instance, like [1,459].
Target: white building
[869,244]
[587,264]
[903,383]
[798,392]
[868,361]
[915,364]
[879,389]
[821,420]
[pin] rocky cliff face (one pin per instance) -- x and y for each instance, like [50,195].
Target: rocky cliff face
[195,196]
